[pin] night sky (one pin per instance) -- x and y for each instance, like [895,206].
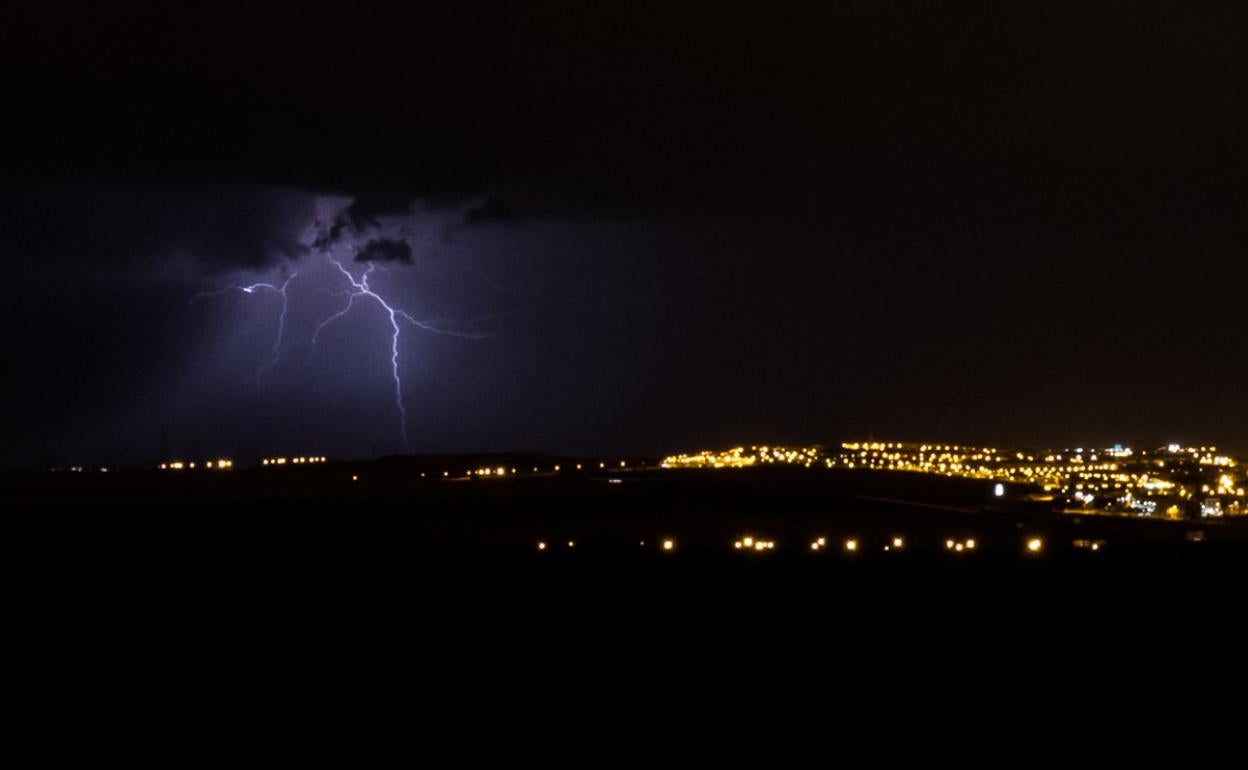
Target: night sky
[627,228]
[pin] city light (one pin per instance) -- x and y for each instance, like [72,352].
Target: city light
[299,460]
[1115,480]
[217,464]
[1034,545]
[742,457]
[756,544]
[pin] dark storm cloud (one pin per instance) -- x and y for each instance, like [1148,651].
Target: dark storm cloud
[103,225]
[364,210]
[385,250]
[363,214]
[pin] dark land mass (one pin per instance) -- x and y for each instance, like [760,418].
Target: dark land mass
[298,606]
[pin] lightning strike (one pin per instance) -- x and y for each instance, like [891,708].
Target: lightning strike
[360,288]
[281,326]
[281,319]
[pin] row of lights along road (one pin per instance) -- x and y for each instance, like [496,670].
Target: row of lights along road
[1032,545]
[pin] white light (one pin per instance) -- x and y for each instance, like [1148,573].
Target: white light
[999,490]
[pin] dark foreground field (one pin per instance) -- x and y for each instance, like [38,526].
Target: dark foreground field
[361,615]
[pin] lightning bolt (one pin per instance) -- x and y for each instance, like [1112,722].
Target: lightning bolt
[357,290]
[281,319]
[361,289]
[281,323]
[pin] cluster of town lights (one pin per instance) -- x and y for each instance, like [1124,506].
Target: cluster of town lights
[293,460]
[1173,481]
[220,464]
[741,457]
[960,546]
[751,543]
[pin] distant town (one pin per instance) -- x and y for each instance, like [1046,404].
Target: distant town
[1173,481]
